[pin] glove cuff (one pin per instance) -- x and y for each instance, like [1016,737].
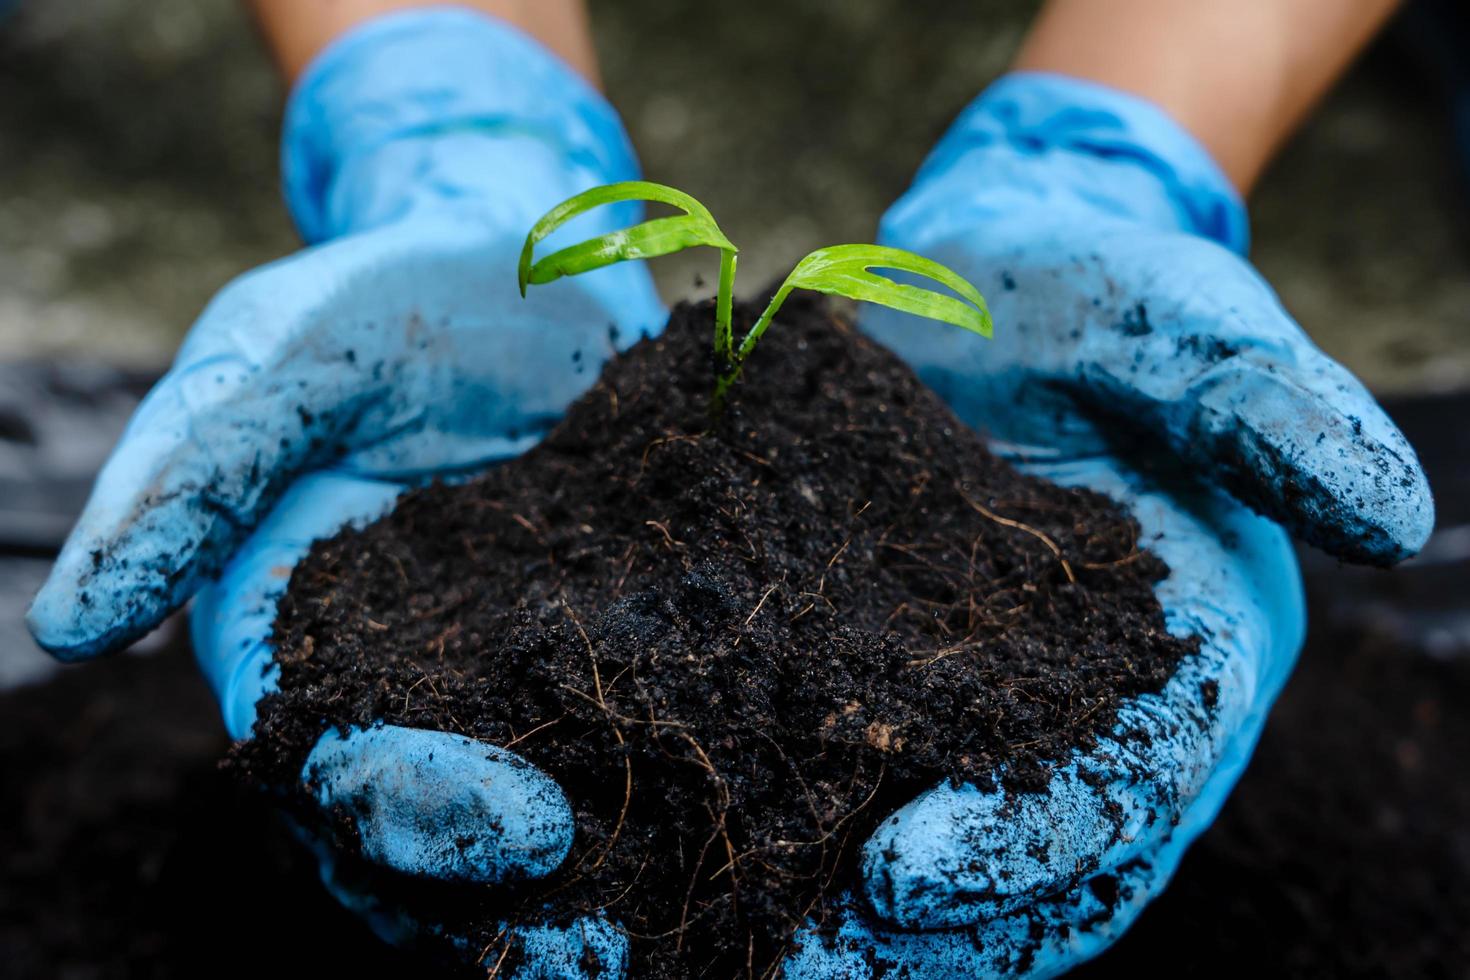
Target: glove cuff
[1111,149]
[368,123]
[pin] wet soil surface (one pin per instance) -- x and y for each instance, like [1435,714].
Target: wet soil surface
[739,644]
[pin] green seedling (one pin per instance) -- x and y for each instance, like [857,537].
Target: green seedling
[838,270]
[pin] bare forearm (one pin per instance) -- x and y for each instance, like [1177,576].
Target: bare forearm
[1238,74]
[297,29]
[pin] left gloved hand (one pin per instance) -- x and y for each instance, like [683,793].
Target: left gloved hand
[419,149]
[1137,353]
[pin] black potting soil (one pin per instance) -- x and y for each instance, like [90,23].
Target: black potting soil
[737,645]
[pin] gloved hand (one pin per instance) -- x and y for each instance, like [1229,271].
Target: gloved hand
[418,149]
[1136,352]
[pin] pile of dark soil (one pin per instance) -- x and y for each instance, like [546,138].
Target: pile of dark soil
[738,643]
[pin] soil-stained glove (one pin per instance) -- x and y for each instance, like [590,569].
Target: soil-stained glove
[418,151]
[1136,352]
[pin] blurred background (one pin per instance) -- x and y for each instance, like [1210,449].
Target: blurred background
[138,163]
[138,174]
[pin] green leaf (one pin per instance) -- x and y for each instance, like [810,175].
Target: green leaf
[846,270]
[659,236]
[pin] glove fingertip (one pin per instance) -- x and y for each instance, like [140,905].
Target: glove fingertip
[75,623]
[1328,464]
[588,947]
[443,806]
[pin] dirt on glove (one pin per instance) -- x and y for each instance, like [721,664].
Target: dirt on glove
[737,642]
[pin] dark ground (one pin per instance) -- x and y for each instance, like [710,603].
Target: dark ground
[1345,851]
[138,162]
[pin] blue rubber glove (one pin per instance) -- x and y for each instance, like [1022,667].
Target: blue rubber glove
[418,151]
[1137,353]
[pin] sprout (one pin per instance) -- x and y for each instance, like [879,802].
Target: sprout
[838,270]
[660,236]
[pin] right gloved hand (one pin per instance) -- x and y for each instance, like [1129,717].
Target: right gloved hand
[1136,353]
[418,150]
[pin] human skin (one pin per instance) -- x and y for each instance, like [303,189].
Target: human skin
[296,30]
[1240,75]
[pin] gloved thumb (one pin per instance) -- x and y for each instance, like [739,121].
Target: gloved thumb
[391,353]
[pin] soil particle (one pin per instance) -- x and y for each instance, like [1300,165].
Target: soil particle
[738,643]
